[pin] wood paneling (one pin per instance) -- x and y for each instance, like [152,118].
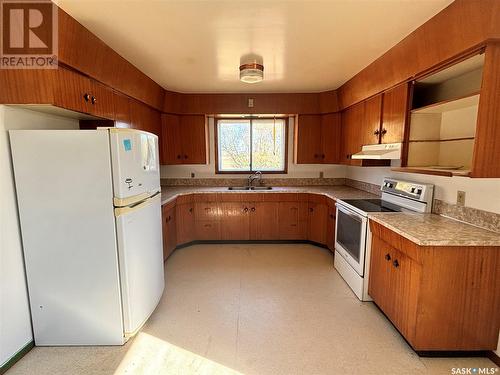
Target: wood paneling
[144,118]
[462,26]
[440,298]
[26,86]
[235,220]
[370,123]
[83,51]
[486,157]
[317,230]
[121,106]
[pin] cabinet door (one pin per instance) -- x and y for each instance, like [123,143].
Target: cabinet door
[72,91]
[308,141]
[379,280]
[121,106]
[169,231]
[185,223]
[293,220]
[330,229]
[193,139]
[235,221]
[318,213]
[101,101]
[370,125]
[264,221]
[394,114]
[207,230]
[27,86]
[206,211]
[170,140]
[330,137]
[351,141]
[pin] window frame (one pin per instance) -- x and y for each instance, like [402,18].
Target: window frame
[216,135]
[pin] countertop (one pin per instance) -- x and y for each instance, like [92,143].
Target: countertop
[169,193]
[435,230]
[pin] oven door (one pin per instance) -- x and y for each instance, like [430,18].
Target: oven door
[350,237]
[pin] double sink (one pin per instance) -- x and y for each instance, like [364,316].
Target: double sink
[249,188]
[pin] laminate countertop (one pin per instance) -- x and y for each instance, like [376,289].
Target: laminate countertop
[435,230]
[336,191]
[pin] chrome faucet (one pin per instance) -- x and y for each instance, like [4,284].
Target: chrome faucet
[254,176]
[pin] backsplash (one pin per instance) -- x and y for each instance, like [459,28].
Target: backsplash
[365,186]
[244,181]
[480,218]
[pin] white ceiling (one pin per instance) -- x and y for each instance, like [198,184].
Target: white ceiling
[306,46]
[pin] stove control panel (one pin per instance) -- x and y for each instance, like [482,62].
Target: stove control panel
[413,190]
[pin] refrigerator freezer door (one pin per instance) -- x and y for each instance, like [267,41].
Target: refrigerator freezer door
[136,165]
[141,260]
[65,200]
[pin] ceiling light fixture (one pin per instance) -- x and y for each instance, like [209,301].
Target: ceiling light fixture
[251,73]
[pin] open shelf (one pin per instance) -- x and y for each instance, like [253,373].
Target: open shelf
[450,104]
[434,171]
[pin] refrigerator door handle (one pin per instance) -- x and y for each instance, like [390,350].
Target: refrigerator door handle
[128,209]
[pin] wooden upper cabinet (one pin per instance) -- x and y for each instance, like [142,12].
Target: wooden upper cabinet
[308,139]
[193,130]
[184,139]
[317,139]
[26,86]
[351,141]
[101,100]
[486,155]
[170,140]
[370,124]
[330,137]
[121,106]
[394,114]
[144,118]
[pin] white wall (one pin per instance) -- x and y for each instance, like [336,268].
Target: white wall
[294,170]
[15,320]
[481,193]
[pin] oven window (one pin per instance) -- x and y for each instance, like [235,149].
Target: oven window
[349,233]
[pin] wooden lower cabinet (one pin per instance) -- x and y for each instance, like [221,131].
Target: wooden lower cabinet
[439,298]
[317,223]
[185,222]
[235,221]
[293,220]
[169,229]
[264,223]
[330,228]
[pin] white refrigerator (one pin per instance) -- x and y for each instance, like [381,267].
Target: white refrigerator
[90,214]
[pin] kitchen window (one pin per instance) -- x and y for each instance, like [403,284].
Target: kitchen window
[246,145]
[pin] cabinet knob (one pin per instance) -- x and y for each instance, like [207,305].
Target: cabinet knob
[245,209]
[178,156]
[384,131]
[86,97]
[311,209]
[322,156]
[376,132]
[316,156]
[331,216]
[387,257]
[94,100]
[185,156]
[253,209]
[191,210]
[395,263]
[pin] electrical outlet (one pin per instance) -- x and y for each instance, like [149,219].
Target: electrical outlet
[321,174]
[250,103]
[461,198]
[192,175]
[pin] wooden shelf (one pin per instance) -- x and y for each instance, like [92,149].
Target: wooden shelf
[450,104]
[434,171]
[443,140]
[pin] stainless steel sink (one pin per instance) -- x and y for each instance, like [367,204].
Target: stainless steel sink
[250,188]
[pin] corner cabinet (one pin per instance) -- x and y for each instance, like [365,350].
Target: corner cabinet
[317,139]
[439,298]
[184,139]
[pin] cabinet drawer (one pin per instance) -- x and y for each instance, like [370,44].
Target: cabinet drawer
[206,211]
[207,230]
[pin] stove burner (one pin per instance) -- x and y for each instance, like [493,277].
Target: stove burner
[373,205]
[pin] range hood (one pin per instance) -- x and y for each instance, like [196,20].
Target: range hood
[389,151]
